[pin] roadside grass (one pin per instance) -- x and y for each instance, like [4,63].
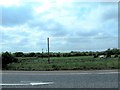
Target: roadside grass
[64,63]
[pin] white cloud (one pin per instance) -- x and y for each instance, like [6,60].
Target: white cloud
[8,3]
[12,16]
[70,26]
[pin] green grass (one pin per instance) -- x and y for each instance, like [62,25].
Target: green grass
[64,63]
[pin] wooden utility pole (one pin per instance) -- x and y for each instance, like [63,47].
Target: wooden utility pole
[42,53]
[48,51]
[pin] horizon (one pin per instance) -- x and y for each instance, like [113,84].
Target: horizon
[61,52]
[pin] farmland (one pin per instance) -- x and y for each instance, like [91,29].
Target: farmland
[64,63]
[61,61]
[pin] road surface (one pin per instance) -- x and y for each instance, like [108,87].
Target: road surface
[60,79]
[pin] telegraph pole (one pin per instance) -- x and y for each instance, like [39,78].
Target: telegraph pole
[42,53]
[48,51]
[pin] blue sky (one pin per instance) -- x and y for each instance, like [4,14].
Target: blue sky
[71,25]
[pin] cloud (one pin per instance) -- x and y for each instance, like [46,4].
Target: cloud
[8,3]
[82,43]
[16,15]
[70,26]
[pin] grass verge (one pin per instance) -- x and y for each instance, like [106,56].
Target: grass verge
[64,63]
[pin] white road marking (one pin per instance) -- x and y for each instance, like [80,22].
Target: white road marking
[6,84]
[63,73]
[97,73]
[109,73]
[24,84]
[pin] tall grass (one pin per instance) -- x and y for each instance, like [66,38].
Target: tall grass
[65,63]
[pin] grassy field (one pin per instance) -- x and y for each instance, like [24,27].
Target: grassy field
[64,63]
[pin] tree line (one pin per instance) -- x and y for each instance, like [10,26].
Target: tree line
[8,57]
[107,52]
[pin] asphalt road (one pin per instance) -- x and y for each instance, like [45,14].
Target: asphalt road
[60,79]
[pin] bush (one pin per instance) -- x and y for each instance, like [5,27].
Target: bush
[7,58]
[116,55]
[55,67]
[96,55]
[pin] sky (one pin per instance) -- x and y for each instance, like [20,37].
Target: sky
[71,25]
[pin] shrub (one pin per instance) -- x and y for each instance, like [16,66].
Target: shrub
[55,67]
[116,55]
[7,58]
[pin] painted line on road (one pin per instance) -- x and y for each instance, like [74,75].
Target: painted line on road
[97,73]
[69,73]
[6,84]
[24,84]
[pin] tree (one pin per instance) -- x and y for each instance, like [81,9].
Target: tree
[18,54]
[95,55]
[108,53]
[59,54]
[115,51]
[32,54]
[116,55]
[7,58]
[38,54]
